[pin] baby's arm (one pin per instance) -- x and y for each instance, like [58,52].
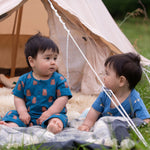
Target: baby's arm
[90,120]
[22,110]
[147,120]
[56,108]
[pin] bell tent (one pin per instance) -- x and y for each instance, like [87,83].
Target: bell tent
[84,31]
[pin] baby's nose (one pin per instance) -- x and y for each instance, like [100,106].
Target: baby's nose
[52,61]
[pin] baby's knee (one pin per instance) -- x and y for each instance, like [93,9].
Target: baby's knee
[55,121]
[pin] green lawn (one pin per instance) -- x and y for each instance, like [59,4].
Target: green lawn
[137,30]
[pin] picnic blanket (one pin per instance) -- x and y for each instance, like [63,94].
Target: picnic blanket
[99,135]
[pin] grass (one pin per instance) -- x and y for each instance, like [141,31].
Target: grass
[143,88]
[137,30]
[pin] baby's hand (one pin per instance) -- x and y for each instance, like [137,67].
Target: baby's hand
[45,115]
[25,117]
[147,120]
[84,127]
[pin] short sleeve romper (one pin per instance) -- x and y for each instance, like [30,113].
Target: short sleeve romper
[39,95]
[133,105]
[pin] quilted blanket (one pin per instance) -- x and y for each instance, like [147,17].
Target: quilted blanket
[100,134]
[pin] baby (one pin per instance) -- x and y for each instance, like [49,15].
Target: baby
[123,72]
[40,96]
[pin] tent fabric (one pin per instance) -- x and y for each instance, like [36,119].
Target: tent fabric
[34,17]
[8,5]
[97,42]
[32,22]
[92,27]
[95,17]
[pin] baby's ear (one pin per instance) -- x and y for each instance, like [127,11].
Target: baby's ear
[123,81]
[31,61]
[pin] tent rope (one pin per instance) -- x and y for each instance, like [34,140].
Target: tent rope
[125,115]
[67,43]
[130,122]
[67,56]
[144,71]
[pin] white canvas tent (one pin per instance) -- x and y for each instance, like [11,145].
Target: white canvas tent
[89,23]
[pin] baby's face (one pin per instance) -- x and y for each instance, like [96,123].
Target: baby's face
[111,80]
[45,63]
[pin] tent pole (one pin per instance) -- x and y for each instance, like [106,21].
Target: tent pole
[15,43]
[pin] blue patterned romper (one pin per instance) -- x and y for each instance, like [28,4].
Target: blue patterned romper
[39,95]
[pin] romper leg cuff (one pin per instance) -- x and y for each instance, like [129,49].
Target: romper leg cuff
[62,117]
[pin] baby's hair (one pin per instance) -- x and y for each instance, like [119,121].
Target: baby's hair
[38,43]
[127,65]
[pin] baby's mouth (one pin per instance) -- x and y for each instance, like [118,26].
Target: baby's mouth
[52,68]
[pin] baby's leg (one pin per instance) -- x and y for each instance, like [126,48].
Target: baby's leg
[9,124]
[55,125]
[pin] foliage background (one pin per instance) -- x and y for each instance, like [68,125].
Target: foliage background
[119,8]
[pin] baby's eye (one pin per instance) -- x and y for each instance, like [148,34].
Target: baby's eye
[47,58]
[55,58]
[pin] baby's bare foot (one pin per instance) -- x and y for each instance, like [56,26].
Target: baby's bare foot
[55,125]
[3,123]
[8,124]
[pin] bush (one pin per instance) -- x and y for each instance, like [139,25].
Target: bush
[118,9]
